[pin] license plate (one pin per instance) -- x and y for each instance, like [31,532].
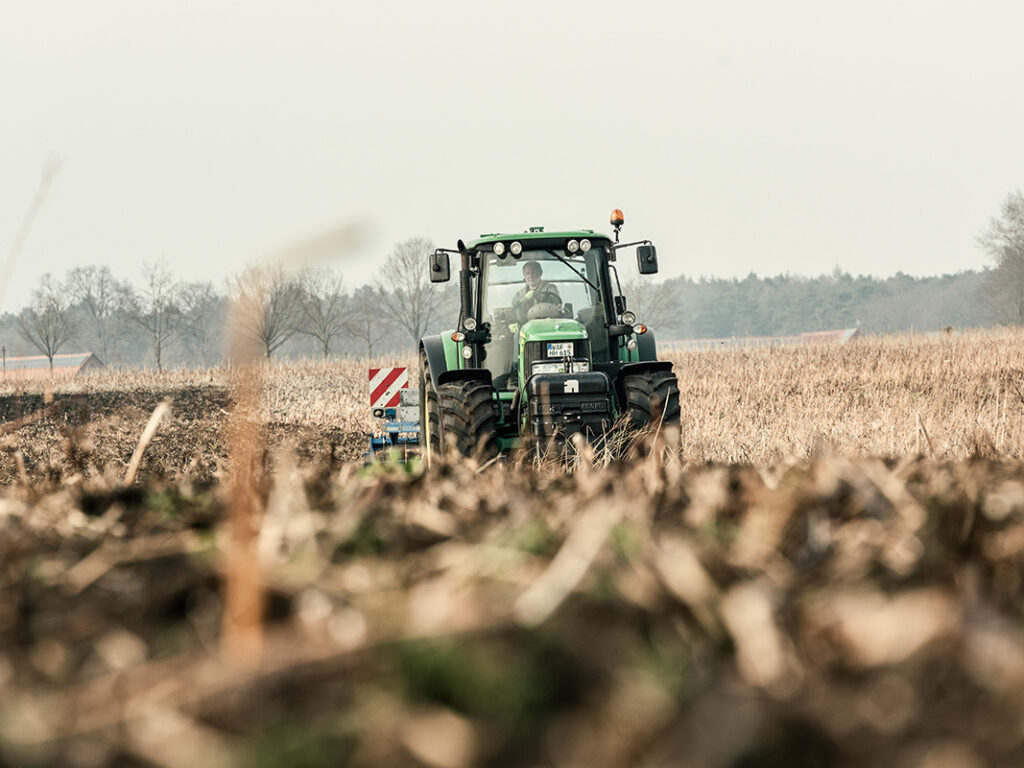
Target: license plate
[560,349]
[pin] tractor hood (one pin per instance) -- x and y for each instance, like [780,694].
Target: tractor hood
[553,329]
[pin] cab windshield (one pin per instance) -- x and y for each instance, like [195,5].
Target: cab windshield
[538,285]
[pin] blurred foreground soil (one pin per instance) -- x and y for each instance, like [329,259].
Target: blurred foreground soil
[825,612]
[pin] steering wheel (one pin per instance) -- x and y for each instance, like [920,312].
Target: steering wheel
[546,297]
[539,303]
[538,311]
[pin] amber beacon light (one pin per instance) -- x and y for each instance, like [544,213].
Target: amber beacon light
[617,221]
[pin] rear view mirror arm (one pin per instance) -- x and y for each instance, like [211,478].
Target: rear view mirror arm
[617,246]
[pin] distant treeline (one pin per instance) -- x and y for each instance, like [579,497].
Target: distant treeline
[375,319]
[683,307]
[164,321]
[167,321]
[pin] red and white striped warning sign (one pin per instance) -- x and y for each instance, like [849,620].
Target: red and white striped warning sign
[384,386]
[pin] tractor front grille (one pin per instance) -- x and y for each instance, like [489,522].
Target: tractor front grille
[536,351]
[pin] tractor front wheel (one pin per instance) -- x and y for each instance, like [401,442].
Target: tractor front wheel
[651,399]
[469,419]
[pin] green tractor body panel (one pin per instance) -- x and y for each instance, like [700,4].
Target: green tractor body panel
[551,329]
[628,355]
[545,330]
[442,354]
[452,353]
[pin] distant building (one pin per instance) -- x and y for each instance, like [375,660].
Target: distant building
[813,337]
[38,366]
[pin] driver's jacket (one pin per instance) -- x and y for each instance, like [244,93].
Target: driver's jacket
[524,298]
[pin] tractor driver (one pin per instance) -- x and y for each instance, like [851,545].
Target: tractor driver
[535,292]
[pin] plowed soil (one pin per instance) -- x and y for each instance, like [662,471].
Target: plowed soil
[825,568]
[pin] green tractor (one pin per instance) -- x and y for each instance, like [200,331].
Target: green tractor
[545,347]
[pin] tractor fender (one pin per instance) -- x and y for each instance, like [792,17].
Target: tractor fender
[433,348]
[645,347]
[440,358]
[646,366]
[466,374]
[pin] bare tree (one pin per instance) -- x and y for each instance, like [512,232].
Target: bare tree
[652,303]
[156,308]
[266,306]
[404,290]
[325,307]
[200,318]
[365,322]
[104,300]
[47,323]
[1004,243]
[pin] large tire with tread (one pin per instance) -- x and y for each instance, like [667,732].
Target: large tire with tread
[651,399]
[430,414]
[469,419]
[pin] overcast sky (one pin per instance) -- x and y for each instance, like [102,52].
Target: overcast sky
[739,136]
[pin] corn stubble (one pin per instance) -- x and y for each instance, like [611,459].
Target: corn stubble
[823,568]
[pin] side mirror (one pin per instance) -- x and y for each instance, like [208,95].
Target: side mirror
[440,267]
[620,305]
[647,259]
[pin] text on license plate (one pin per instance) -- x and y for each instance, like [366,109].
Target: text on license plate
[560,349]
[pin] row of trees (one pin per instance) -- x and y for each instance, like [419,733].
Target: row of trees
[683,307]
[312,311]
[90,304]
[283,311]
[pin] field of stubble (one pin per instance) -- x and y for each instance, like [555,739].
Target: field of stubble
[823,569]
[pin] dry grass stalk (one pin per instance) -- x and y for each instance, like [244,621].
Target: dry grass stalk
[569,566]
[242,639]
[244,589]
[161,411]
[922,431]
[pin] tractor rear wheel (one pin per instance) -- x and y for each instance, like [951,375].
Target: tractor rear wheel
[469,419]
[430,417]
[651,399]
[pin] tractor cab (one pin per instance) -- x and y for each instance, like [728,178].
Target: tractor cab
[542,315]
[543,291]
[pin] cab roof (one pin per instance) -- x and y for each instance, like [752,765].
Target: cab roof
[537,233]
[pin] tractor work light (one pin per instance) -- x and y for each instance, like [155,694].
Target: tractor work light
[628,318]
[467,352]
[469,324]
[639,329]
[458,336]
[499,249]
[584,245]
[516,248]
[572,246]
